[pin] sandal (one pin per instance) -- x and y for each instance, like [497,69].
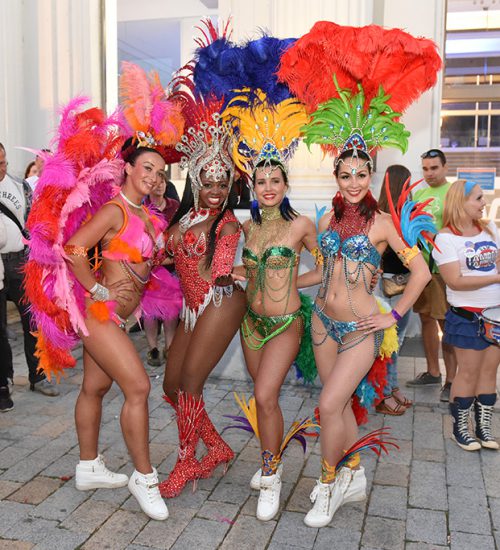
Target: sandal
[405,402]
[384,408]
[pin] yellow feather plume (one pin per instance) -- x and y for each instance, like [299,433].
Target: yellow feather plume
[249,410]
[256,124]
[390,342]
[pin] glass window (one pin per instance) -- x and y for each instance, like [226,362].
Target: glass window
[469,105]
[458,131]
[495,131]
[482,131]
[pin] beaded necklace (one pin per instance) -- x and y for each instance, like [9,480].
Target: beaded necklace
[273,261]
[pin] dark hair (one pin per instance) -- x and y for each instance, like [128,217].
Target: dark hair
[2,148]
[187,202]
[287,212]
[434,153]
[28,168]
[130,153]
[397,176]
[368,205]
[351,153]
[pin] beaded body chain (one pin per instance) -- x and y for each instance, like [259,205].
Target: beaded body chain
[269,265]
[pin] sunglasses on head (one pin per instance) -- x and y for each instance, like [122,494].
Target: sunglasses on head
[432,153]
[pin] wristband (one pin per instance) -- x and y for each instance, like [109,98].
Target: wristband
[396,315]
[99,293]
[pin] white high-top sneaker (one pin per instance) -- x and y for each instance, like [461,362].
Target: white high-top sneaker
[144,487]
[269,497]
[93,474]
[356,491]
[255,481]
[328,498]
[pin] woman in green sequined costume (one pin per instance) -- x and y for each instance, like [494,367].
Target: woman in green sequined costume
[273,325]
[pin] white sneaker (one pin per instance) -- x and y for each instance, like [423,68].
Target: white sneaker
[93,474]
[269,497]
[144,487]
[357,488]
[327,499]
[255,481]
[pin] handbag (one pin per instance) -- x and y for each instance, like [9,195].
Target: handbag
[395,285]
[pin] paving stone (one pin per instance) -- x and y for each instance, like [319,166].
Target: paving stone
[231,492]
[299,500]
[461,501]
[88,516]
[350,516]
[36,490]
[12,512]
[428,486]
[467,541]
[424,546]
[429,455]
[62,540]
[392,474]
[218,511]
[338,538]
[202,533]
[60,504]
[428,430]
[248,533]
[8,487]
[292,531]
[118,531]
[12,454]
[494,504]
[31,529]
[388,502]
[426,526]
[163,534]
[403,455]
[15,545]
[388,534]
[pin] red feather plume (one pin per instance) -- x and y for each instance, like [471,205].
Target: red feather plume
[403,65]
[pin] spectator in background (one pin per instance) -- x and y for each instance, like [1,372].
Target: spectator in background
[469,262]
[432,305]
[160,200]
[15,202]
[393,281]
[38,164]
[31,170]
[6,403]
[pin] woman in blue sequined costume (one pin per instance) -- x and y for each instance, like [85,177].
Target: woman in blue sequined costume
[347,326]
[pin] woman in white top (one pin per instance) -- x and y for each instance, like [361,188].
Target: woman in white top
[467,255]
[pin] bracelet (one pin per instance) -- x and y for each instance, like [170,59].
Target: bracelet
[396,315]
[75,250]
[99,293]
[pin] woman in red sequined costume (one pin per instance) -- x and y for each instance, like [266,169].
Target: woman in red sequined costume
[203,238]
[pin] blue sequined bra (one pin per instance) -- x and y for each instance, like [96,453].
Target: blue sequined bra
[357,250]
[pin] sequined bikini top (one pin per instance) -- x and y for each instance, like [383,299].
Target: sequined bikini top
[356,248]
[274,257]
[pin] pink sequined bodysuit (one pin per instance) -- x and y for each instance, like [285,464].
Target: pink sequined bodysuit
[188,253]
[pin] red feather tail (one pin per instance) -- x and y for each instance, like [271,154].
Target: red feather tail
[374,441]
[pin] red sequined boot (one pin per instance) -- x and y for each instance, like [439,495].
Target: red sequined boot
[218,450]
[189,411]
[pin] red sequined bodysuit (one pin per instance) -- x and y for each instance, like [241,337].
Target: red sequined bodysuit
[188,252]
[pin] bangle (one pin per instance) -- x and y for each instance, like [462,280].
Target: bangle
[99,293]
[396,315]
[75,250]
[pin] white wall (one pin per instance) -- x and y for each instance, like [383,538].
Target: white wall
[50,52]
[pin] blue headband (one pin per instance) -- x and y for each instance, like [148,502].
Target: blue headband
[468,186]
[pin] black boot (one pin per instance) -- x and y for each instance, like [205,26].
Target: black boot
[483,411]
[460,412]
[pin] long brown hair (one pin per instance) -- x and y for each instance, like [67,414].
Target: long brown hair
[397,175]
[454,215]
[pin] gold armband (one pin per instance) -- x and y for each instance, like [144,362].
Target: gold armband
[318,257]
[407,254]
[75,250]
